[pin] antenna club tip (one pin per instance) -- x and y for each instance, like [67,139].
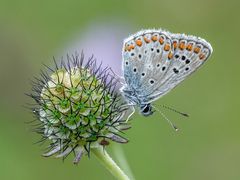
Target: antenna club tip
[186,115]
[176,129]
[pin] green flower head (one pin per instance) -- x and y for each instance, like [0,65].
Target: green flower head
[78,107]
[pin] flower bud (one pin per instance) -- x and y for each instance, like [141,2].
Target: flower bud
[78,107]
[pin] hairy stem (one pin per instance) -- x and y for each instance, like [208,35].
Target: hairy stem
[108,162]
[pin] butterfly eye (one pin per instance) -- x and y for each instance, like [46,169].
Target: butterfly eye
[146,109]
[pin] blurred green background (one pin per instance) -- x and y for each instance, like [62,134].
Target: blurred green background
[208,144]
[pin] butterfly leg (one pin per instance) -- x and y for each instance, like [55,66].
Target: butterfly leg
[130,112]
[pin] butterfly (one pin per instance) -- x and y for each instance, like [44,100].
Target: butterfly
[156,61]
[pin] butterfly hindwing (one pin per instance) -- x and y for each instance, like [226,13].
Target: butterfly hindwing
[190,53]
[155,61]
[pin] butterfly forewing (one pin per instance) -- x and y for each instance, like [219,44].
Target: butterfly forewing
[141,54]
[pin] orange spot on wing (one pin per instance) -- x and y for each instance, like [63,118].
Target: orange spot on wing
[161,40]
[182,45]
[189,47]
[202,56]
[154,38]
[130,47]
[125,49]
[167,47]
[196,50]
[170,55]
[175,44]
[139,42]
[146,40]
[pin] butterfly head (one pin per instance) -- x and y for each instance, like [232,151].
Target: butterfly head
[146,109]
[132,98]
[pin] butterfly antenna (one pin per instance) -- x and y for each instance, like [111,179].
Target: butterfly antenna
[174,110]
[166,118]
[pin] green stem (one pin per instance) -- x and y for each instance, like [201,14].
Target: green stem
[108,162]
[121,159]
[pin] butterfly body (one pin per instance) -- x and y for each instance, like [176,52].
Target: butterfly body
[156,61]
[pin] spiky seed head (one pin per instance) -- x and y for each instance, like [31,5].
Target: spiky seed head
[78,107]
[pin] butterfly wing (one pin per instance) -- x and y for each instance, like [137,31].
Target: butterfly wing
[170,58]
[142,52]
[190,53]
